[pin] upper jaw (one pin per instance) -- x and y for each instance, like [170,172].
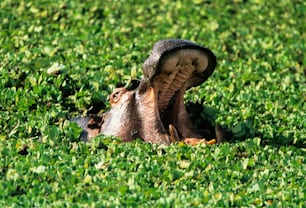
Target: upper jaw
[169,53]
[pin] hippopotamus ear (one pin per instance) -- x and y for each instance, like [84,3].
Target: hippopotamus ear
[166,56]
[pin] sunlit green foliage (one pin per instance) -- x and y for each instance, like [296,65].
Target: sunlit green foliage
[58,59]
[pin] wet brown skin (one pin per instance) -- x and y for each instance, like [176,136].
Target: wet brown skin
[155,110]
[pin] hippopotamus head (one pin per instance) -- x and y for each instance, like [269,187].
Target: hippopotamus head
[155,110]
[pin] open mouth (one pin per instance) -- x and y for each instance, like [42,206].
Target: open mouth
[182,70]
[177,72]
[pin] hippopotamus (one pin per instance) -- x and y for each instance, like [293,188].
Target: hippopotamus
[155,111]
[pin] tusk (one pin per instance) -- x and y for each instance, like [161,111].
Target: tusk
[213,141]
[173,134]
[196,141]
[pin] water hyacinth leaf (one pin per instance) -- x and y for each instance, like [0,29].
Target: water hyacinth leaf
[60,59]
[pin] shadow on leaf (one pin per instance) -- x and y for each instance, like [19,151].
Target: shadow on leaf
[204,117]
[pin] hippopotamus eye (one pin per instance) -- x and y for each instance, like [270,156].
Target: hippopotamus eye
[116,95]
